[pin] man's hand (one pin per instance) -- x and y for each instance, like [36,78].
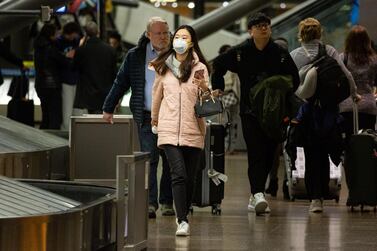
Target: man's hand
[154,122]
[70,54]
[108,117]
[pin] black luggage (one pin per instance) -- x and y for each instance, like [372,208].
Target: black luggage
[360,166]
[21,110]
[210,178]
[20,107]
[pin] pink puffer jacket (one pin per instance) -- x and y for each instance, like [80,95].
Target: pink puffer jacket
[173,107]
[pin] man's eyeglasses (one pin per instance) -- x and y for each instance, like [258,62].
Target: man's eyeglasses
[261,26]
[164,34]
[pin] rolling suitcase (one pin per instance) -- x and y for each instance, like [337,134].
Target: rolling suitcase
[210,178]
[296,178]
[360,166]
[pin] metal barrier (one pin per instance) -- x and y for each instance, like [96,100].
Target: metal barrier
[132,220]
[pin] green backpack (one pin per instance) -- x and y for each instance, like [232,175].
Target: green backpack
[271,103]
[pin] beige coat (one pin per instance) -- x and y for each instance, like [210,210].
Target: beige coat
[173,107]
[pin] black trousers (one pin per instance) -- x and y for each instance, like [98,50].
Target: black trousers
[183,162]
[51,105]
[317,169]
[260,152]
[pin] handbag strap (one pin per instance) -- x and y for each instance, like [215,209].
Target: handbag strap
[24,78]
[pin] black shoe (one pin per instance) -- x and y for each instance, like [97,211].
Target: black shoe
[285,190]
[151,212]
[272,187]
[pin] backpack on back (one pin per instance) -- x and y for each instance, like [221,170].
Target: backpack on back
[332,84]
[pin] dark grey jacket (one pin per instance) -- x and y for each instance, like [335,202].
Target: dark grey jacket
[131,75]
[96,64]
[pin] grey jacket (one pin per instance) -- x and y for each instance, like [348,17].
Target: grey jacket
[308,51]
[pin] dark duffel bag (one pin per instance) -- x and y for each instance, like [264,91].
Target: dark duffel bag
[21,110]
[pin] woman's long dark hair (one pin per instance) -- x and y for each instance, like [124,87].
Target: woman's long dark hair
[359,46]
[186,65]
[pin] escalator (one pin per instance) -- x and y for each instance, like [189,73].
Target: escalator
[334,17]
[333,14]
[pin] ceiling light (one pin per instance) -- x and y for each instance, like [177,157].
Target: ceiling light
[226,3]
[162,1]
[283,5]
[174,5]
[191,5]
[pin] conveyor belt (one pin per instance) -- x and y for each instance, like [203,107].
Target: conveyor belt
[17,137]
[20,199]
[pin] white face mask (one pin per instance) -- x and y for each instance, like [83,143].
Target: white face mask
[180,46]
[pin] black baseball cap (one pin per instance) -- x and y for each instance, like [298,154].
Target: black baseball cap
[257,19]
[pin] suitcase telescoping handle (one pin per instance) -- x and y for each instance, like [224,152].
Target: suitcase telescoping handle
[355,111]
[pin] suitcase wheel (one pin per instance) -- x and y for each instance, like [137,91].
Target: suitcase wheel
[216,209]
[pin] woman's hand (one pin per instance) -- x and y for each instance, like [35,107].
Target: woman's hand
[217,93]
[201,83]
[357,98]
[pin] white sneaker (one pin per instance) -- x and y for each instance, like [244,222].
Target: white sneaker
[258,204]
[316,206]
[183,229]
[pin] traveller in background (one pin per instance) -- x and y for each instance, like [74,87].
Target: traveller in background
[254,60]
[6,54]
[180,72]
[115,41]
[96,64]
[230,99]
[317,166]
[135,75]
[48,62]
[361,61]
[68,41]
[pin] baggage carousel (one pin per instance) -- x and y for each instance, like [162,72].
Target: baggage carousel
[40,215]
[27,152]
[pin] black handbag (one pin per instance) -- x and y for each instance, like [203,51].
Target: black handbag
[208,105]
[19,86]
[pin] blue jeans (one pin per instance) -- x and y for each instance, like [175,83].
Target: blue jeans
[148,143]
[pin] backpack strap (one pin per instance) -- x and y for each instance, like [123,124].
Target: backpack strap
[321,52]
[345,59]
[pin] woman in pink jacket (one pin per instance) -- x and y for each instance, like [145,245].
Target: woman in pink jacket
[181,72]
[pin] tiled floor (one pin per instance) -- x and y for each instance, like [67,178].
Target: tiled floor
[288,227]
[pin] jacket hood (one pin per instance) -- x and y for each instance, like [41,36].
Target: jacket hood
[143,41]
